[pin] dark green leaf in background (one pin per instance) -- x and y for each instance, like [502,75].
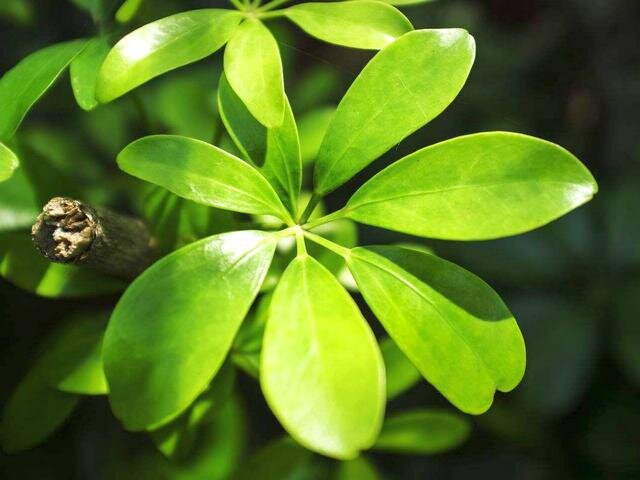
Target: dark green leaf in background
[24,84]
[401,374]
[422,432]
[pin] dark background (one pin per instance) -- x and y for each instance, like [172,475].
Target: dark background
[565,71]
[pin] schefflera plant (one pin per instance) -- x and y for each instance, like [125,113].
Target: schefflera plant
[321,370]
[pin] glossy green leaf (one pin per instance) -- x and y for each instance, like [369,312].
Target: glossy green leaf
[452,326]
[313,127]
[275,151]
[22,265]
[197,171]
[423,432]
[177,439]
[282,459]
[475,187]
[8,162]
[72,360]
[321,371]
[32,413]
[24,84]
[253,68]
[358,23]
[402,88]
[401,374]
[164,45]
[174,326]
[84,72]
[357,469]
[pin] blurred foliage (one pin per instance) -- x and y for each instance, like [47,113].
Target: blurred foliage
[566,71]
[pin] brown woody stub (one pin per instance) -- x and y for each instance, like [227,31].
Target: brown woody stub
[70,231]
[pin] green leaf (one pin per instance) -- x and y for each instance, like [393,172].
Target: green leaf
[18,202]
[24,84]
[175,324]
[357,469]
[357,23]
[128,10]
[84,72]
[402,88]
[22,265]
[402,3]
[313,127]
[401,374]
[476,187]
[32,413]
[253,68]
[316,345]
[282,459]
[164,45]
[201,172]
[177,439]
[72,360]
[423,432]
[452,326]
[8,162]
[275,151]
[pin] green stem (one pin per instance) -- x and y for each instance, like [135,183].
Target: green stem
[338,214]
[313,202]
[301,247]
[271,5]
[328,244]
[266,15]
[240,6]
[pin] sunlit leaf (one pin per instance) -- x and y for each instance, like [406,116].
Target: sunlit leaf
[8,162]
[356,23]
[308,371]
[163,45]
[253,68]
[396,93]
[200,172]
[476,187]
[84,72]
[452,326]
[175,324]
[275,151]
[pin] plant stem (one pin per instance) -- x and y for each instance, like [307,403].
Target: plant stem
[313,202]
[238,5]
[271,5]
[328,244]
[301,247]
[262,15]
[72,232]
[338,214]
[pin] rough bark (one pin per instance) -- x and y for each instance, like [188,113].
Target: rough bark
[72,232]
